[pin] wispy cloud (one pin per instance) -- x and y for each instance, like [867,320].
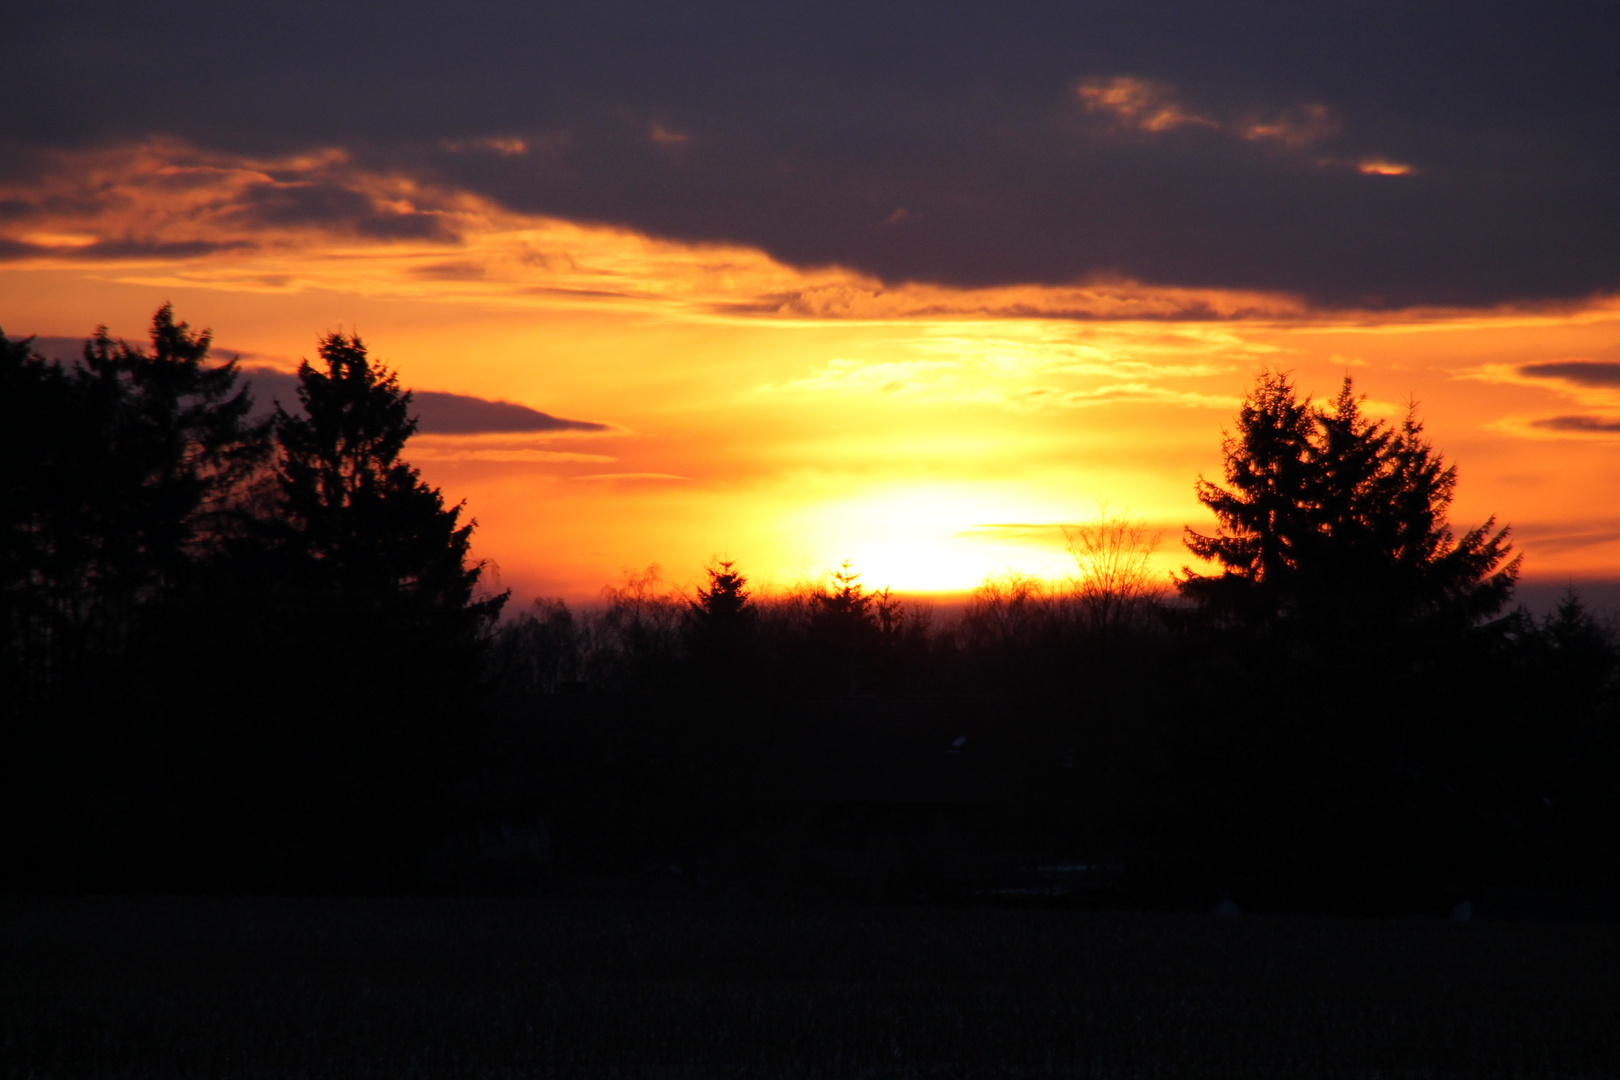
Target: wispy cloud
[1035,373]
[1143,394]
[164,200]
[1579,424]
[528,455]
[438,412]
[1596,373]
[1300,130]
[1138,104]
[1592,383]
[1301,126]
[631,476]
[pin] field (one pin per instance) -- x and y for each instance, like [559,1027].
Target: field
[519,988]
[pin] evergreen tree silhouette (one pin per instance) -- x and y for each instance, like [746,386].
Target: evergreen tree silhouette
[388,628]
[719,623]
[844,625]
[125,477]
[1335,525]
[1349,683]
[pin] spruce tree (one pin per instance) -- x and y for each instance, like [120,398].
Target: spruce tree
[1334,524]
[387,629]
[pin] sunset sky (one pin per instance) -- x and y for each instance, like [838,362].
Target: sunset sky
[798,284]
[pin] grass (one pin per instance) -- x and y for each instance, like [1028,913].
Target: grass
[518,988]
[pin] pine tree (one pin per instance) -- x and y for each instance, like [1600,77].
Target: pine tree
[1334,525]
[720,621]
[385,622]
[381,536]
[844,626]
[125,478]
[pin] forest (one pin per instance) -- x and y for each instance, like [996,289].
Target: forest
[252,655]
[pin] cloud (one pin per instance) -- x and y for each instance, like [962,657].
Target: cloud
[1556,537]
[163,199]
[1594,373]
[1139,104]
[438,413]
[1142,394]
[1380,167]
[1366,162]
[62,349]
[1041,533]
[421,451]
[1579,424]
[993,370]
[1299,127]
[631,476]
[332,205]
[127,248]
[461,414]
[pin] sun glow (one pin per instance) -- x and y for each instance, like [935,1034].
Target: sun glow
[791,418]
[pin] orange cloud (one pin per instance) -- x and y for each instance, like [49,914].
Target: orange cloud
[1138,104]
[1299,127]
[1380,167]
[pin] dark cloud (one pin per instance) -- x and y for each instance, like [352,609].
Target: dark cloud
[331,205]
[1585,425]
[1221,144]
[1581,372]
[153,249]
[460,414]
[12,250]
[451,271]
[438,413]
[64,349]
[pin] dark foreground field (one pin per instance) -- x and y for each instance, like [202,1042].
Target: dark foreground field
[408,988]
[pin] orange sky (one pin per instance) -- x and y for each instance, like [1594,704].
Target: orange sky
[793,419]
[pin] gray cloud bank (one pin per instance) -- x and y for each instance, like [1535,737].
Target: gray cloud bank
[1191,144]
[1580,372]
[437,412]
[1584,424]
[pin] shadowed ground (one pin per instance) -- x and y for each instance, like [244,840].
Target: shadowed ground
[517,988]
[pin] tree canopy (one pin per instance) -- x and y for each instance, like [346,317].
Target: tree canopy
[1334,524]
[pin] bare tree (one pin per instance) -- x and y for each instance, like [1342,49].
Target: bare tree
[1008,610]
[1113,585]
[636,632]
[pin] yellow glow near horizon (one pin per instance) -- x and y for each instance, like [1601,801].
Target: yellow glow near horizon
[793,419]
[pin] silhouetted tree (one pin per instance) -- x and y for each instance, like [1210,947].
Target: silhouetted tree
[122,475]
[126,476]
[1335,525]
[720,622]
[1114,588]
[380,536]
[47,452]
[386,626]
[540,651]
[844,626]
[1351,684]
[636,634]
[725,602]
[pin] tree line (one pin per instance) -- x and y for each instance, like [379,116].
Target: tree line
[1343,711]
[255,654]
[235,651]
